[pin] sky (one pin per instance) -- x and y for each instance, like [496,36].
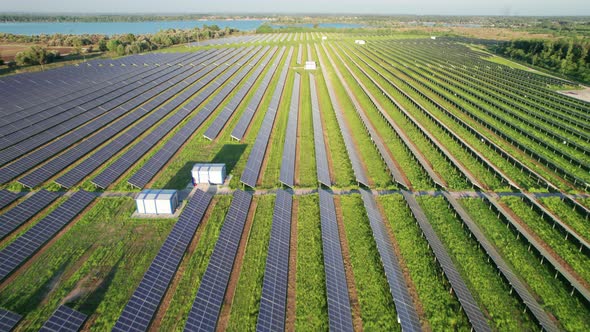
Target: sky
[360,7]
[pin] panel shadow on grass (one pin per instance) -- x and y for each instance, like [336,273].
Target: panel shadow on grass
[229,154]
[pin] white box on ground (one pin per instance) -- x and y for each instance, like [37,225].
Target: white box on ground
[157,201]
[204,174]
[208,173]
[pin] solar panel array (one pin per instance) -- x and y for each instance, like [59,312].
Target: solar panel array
[17,216]
[474,314]
[7,197]
[205,310]
[147,172]
[300,54]
[99,158]
[321,157]
[129,158]
[27,244]
[339,312]
[8,320]
[64,319]
[221,120]
[256,157]
[240,129]
[273,302]
[141,308]
[406,312]
[357,166]
[117,118]
[527,298]
[287,175]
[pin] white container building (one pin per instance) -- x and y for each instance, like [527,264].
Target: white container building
[157,201]
[310,65]
[208,173]
[360,42]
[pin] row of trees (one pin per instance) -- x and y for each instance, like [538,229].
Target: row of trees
[569,56]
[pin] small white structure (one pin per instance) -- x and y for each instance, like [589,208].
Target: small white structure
[324,37]
[310,65]
[208,173]
[157,201]
[433,37]
[360,42]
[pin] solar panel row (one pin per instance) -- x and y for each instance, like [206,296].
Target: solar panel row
[32,240]
[126,161]
[205,310]
[215,128]
[147,172]
[17,216]
[8,320]
[287,175]
[474,314]
[339,312]
[240,129]
[321,157]
[128,113]
[90,164]
[273,301]
[141,308]
[256,157]
[404,306]
[64,319]
[7,197]
[357,166]
[521,289]
[300,54]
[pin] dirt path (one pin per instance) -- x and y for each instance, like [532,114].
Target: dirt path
[225,312]
[411,287]
[165,304]
[583,94]
[292,283]
[352,292]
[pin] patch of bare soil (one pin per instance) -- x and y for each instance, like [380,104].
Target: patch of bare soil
[352,292]
[235,274]
[583,94]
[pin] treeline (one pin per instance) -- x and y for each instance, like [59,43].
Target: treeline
[570,57]
[117,44]
[111,18]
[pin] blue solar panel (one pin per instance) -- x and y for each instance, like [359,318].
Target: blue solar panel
[287,175]
[141,308]
[14,218]
[8,320]
[7,197]
[64,319]
[273,301]
[205,310]
[321,158]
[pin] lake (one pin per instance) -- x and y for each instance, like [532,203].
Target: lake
[113,28]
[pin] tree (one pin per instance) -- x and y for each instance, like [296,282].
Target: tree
[102,45]
[113,45]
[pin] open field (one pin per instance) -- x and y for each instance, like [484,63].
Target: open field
[461,177]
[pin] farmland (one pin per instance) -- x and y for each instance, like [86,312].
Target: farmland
[456,194]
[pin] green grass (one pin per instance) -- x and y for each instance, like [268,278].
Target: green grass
[94,267]
[442,310]
[568,215]
[492,293]
[573,315]
[311,307]
[246,301]
[564,248]
[377,309]
[307,165]
[186,291]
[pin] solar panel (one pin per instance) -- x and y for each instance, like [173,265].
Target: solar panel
[205,310]
[357,165]
[287,175]
[321,157]
[32,240]
[7,197]
[256,157]
[14,218]
[141,308]
[64,319]
[273,301]
[300,54]
[8,320]
[474,314]
[240,129]
[404,306]
[339,312]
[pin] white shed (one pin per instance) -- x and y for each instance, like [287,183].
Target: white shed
[310,65]
[433,37]
[360,42]
[208,173]
[157,201]
[324,37]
